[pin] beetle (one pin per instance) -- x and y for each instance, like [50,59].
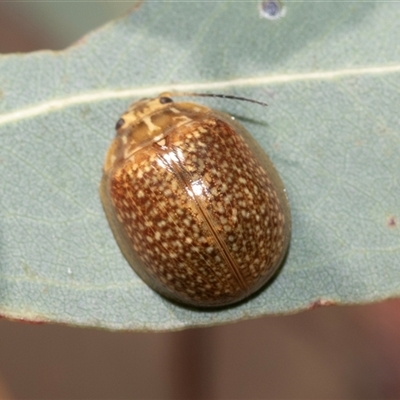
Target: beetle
[196,206]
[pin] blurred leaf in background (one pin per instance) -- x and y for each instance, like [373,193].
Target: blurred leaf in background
[55,25]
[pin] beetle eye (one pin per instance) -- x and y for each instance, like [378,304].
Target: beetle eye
[119,123]
[164,100]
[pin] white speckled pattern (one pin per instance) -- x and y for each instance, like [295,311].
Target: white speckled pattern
[193,209]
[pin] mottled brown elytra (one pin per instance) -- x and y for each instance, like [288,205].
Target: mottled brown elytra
[195,204]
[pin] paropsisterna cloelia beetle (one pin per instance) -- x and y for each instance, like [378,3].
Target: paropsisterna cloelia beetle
[195,204]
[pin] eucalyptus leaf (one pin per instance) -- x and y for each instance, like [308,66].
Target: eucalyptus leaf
[330,72]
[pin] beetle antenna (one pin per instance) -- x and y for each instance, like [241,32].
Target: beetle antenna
[224,96]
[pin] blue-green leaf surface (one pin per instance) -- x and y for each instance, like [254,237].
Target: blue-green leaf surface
[330,72]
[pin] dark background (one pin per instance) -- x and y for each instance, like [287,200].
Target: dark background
[331,352]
